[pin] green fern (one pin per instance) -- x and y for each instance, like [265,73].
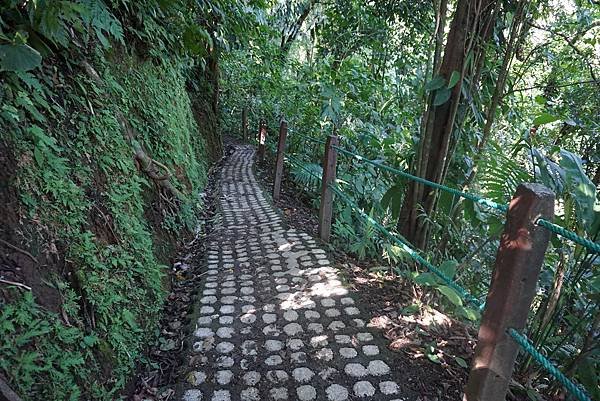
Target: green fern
[499,175]
[307,175]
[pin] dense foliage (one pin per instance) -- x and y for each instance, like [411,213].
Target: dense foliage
[108,125]
[526,101]
[108,119]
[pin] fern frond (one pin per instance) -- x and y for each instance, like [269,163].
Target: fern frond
[307,175]
[500,175]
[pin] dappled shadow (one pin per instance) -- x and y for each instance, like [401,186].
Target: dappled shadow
[387,300]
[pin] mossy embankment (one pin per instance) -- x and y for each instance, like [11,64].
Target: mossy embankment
[102,159]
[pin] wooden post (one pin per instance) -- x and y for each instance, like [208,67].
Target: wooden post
[518,263]
[279,160]
[326,208]
[262,138]
[245,123]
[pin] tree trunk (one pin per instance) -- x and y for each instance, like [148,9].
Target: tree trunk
[288,35]
[468,29]
[408,219]
[516,36]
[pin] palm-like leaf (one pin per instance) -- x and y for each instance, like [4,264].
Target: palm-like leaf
[500,175]
[306,174]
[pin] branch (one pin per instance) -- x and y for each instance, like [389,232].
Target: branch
[571,43]
[16,284]
[159,164]
[16,248]
[590,81]
[146,162]
[286,42]
[7,392]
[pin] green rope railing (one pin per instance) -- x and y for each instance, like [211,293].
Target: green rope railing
[555,228]
[519,338]
[479,200]
[570,235]
[305,137]
[405,245]
[528,347]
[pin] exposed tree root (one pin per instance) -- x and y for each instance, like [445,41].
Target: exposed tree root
[145,162]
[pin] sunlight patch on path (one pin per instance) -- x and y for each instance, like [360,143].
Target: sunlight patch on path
[274,319]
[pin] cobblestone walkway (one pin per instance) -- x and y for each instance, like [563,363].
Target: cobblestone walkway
[274,320]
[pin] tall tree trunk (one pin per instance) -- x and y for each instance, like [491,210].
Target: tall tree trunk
[515,38]
[468,28]
[408,219]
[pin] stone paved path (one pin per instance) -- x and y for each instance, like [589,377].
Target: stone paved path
[274,320]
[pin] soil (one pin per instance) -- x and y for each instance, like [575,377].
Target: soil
[17,264]
[155,380]
[434,349]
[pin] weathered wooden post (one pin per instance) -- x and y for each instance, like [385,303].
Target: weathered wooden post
[518,263]
[245,123]
[326,208]
[279,160]
[262,138]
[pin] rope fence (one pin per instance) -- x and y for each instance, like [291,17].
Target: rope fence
[528,347]
[404,245]
[307,138]
[555,228]
[520,339]
[525,275]
[482,201]
[570,235]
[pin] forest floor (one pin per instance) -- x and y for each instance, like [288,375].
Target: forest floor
[429,345]
[157,376]
[430,349]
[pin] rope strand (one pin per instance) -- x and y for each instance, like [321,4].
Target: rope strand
[555,228]
[521,339]
[528,347]
[405,245]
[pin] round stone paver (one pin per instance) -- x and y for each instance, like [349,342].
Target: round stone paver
[388,387]
[335,392]
[192,395]
[364,389]
[355,370]
[302,375]
[378,368]
[274,320]
[306,393]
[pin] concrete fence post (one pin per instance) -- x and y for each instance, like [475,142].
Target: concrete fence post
[518,262]
[329,166]
[262,138]
[279,159]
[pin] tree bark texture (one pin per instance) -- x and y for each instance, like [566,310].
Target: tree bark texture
[470,27]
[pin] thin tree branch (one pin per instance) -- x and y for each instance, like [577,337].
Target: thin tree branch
[571,43]
[295,29]
[590,81]
[16,284]
[16,248]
